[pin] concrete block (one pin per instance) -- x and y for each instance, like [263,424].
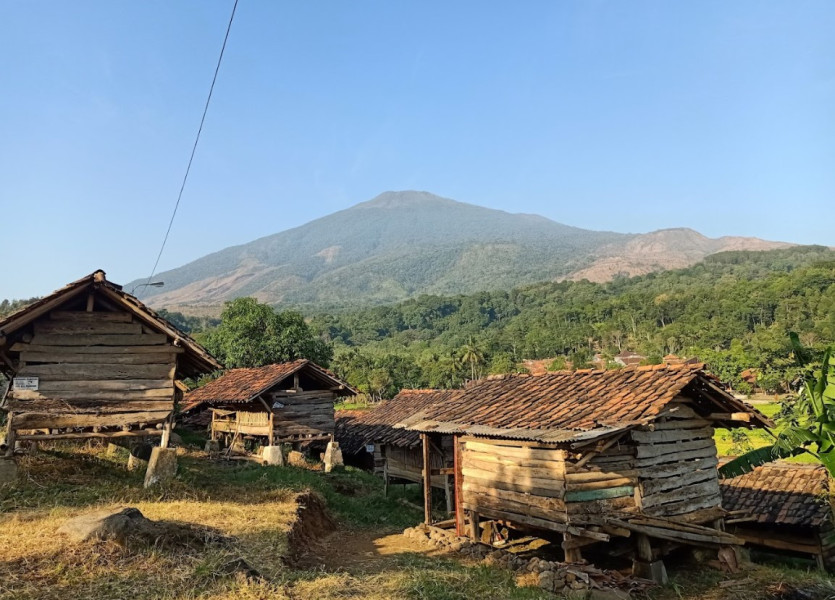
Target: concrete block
[272,455]
[161,467]
[8,472]
[655,570]
[212,447]
[333,457]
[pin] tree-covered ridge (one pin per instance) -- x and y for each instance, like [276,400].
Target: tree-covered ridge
[733,310]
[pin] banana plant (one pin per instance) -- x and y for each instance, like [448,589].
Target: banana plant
[811,432]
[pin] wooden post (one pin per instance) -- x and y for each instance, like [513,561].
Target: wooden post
[427,479]
[270,436]
[643,547]
[214,433]
[91,300]
[385,479]
[457,479]
[473,519]
[10,436]
[166,433]
[572,553]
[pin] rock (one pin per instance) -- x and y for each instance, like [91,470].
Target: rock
[8,472]
[174,438]
[272,455]
[162,466]
[212,447]
[333,457]
[116,451]
[296,459]
[118,525]
[655,570]
[546,581]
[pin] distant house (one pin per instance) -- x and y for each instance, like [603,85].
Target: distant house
[589,455]
[630,359]
[285,402]
[784,507]
[396,452]
[90,360]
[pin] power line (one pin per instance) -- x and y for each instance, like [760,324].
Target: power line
[196,140]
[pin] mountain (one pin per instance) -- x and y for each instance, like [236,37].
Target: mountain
[402,244]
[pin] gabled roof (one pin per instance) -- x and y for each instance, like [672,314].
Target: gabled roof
[245,384]
[572,406]
[196,360]
[357,428]
[780,493]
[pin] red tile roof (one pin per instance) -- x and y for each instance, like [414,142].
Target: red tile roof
[357,428]
[555,406]
[780,493]
[243,385]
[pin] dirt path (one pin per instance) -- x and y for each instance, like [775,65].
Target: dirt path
[364,551]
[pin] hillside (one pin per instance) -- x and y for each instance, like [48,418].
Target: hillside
[403,244]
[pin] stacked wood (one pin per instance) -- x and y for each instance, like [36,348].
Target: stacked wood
[676,463]
[95,369]
[598,482]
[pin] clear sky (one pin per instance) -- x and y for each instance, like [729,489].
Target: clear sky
[626,116]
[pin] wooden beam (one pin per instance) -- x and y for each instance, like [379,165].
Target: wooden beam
[458,479]
[738,416]
[427,479]
[80,436]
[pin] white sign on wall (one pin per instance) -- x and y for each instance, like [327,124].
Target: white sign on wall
[25,383]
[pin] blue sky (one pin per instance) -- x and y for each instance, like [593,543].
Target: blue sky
[625,116]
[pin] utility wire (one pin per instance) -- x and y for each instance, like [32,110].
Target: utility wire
[194,147]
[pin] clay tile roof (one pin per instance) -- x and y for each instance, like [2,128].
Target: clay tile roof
[357,428]
[242,385]
[780,493]
[555,407]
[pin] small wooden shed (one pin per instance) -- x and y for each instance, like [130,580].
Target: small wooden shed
[590,455]
[286,402]
[784,507]
[397,452]
[90,360]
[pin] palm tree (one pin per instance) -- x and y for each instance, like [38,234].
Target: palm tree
[811,429]
[471,353]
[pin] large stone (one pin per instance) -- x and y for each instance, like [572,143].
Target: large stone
[212,447]
[296,459]
[117,525]
[161,467]
[655,570]
[116,451]
[8,471]
[333,456]
[272,455]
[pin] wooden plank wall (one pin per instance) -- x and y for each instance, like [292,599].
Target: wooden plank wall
[516,481]
[603,483]
[95,369]
[303,413]
[676,462]
[407,463]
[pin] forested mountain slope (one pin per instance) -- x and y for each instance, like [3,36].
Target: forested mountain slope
[734,310]
[403,244]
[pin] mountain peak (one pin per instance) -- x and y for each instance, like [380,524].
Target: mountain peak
[406,199]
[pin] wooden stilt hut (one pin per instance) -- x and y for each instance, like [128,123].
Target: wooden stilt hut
[285,402]
[90,360]
[783,507]
[590,455]
[397,453]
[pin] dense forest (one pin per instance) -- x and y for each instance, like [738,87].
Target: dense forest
[734,310]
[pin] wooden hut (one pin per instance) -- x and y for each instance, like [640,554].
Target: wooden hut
[286,402]
[397,453]
[590,455]
[90,360]
[783,507]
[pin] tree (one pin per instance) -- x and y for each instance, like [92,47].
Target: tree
[252,334]
[473,355]
[811,429]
